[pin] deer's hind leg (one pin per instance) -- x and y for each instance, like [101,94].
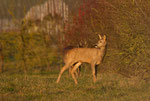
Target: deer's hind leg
[73,70]
[61,72]
[76,72]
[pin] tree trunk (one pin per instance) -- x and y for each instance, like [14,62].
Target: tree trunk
[22,33]
[1,60]
[23,53]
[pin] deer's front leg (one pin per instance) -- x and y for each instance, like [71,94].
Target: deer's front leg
[93,72]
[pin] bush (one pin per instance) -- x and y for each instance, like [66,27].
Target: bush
[126,25]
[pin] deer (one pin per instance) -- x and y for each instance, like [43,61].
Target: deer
[76,56]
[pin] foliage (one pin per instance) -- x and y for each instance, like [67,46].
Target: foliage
[18,7]
[126,24]
[35,52]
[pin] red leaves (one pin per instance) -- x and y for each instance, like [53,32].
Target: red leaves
[78,32]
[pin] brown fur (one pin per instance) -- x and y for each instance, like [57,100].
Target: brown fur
[92,56]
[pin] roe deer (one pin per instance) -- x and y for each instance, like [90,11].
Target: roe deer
[76,56]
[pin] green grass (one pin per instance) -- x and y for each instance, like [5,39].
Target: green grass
[42,87]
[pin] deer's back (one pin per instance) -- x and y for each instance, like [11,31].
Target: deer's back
[83,54]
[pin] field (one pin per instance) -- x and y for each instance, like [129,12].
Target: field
[30,53]
[42,87]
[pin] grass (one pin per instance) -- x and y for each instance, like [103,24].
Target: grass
[42,87]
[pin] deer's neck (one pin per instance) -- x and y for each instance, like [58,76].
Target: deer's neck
[102,48]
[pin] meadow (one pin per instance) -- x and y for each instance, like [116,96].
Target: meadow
[31,58]
[42,87]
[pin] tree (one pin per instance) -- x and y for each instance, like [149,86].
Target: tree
[1,59]
[126,24]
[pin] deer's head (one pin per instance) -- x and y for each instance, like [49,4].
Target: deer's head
[101,42]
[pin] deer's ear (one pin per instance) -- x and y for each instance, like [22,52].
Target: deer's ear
[104,37]
[99,36]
